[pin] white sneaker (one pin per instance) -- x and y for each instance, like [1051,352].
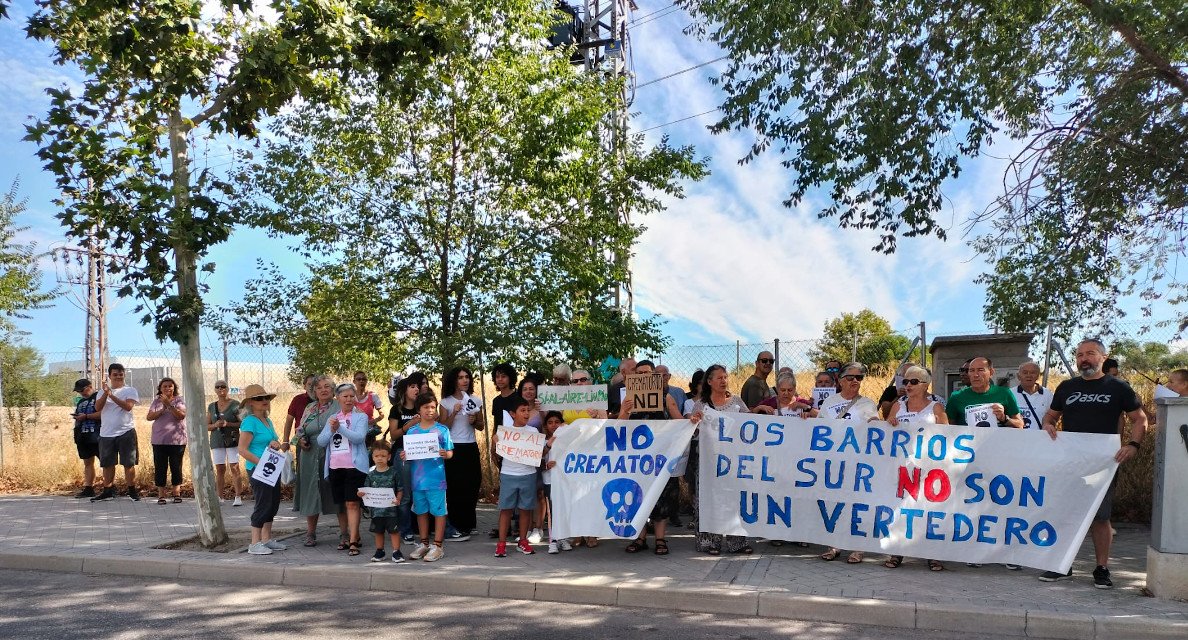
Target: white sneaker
[553,547]
[420,552]
[259,549]
[237,502]
[535,536]
[276,545]
[564,544]
[435,553]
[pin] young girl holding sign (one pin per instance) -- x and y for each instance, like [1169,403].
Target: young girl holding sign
[256,434]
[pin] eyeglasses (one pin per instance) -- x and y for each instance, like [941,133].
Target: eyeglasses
[220,386]
[858,377]
[911,381]
[581,379]
[832,369]
[766,360]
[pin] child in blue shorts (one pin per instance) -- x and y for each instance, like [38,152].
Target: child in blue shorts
[517,487]
[429,480]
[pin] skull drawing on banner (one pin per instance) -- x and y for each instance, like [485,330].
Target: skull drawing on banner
[622,497]
[269,468]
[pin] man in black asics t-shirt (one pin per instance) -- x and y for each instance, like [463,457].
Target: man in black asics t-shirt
[1093,403]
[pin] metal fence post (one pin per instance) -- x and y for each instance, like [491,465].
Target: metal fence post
[923,347]
[3,413]
[777,354]
[1047,352]
[737,355]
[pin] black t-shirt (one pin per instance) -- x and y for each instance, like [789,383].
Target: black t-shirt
[889,394]
[401,415]
[1093,406]
[500,404]
[613,403]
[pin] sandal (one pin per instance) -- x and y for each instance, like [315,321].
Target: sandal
[830,555]
[177,500]
[637,545]
[855,558]
[935,565]
[354,548]
[893,562]
[746,550]
[343,542]
[161,501]
[310,540]
[591,542]
[661,547]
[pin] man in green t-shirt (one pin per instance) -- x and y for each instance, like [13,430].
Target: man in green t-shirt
[982,404]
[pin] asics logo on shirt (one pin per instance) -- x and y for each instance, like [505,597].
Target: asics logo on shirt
[1088,398]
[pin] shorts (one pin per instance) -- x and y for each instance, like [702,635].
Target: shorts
[87,450]
[384,524]
[345,485]
[431,501]
[228,455]
[517,491]
[1107,503]
[122,448]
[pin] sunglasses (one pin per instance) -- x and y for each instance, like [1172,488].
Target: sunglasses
[857,377]
[264,398]
[911,381]
[766,360]
[833,369]
[220,386]
[581,379]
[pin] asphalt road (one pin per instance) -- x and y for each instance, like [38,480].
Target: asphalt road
[67,605]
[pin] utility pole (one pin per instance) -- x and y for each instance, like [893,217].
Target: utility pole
[226,363]
[86,268]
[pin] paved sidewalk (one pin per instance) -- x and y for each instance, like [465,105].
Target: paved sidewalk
[60,533]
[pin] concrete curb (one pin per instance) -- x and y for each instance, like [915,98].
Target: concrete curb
[601,590]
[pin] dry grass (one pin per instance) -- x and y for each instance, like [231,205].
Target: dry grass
[46,460]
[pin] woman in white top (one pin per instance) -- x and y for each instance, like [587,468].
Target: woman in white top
[916,407]
[847,404]
[463,414]
[715,394]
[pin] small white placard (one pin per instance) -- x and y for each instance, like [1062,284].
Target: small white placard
[378,497]
[820,394]
[268,470]
[421,446]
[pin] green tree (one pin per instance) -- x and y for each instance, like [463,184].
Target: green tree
[878,102]
[20,278]
[480,220]
[879,347]
[163,75]
[1150,360]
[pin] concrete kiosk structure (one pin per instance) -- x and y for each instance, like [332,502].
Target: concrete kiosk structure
[1006,350]
[1167,557]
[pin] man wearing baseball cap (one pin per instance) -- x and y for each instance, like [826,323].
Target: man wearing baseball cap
[86,434]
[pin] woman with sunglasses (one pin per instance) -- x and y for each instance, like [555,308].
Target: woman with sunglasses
[256,435]
[848,404]
[917,406]
[222,420]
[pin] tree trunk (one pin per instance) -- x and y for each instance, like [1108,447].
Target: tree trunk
[211,530]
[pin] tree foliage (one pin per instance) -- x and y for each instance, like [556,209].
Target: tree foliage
[879,347]
[482,219]
[879,101]
[1150,360]
[20,277]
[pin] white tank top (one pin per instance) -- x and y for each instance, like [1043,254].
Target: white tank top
[923,416]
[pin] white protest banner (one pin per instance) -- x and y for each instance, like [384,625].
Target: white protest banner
[946,492]
[610,473]
[646,391]
[421,446]
[573,398]
[378,497]
[520,444]
[268,470]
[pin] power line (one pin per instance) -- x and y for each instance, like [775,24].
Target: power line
[704,113]
[677,73]
[664,8]
[665,14]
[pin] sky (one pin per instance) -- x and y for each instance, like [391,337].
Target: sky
[727,263]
